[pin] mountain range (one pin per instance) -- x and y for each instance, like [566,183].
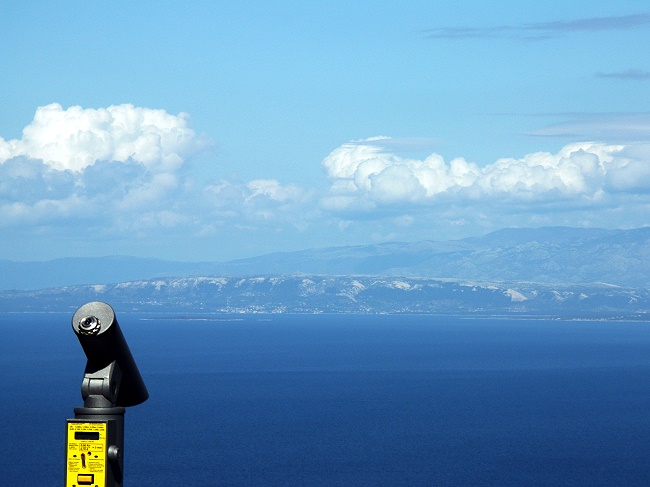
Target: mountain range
[550,255]
[550,272]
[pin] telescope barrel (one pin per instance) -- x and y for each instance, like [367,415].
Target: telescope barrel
[102,341]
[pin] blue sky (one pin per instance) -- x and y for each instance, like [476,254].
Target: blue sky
[220,130]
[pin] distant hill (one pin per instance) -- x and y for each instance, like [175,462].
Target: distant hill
[542,255]
[342,294]
[545,255]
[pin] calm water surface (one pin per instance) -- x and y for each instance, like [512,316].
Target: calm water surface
[344,400]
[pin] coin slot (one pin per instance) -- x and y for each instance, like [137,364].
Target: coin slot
[85,478]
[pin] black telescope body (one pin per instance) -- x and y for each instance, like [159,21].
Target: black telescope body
[103,343]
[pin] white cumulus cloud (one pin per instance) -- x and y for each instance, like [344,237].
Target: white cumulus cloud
[365,176]
[76,137]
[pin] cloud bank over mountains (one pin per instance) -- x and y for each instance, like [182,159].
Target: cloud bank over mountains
[587,184]
[126,170]
[81,163]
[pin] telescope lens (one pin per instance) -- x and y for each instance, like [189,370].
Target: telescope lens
[89,325]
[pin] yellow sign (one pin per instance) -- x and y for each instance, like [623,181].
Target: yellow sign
[86,454]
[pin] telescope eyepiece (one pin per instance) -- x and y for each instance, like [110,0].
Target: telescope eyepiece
[89,325]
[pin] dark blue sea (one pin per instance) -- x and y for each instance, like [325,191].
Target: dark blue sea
[293,400]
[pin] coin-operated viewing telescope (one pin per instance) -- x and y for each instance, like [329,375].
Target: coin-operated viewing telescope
[112,382]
